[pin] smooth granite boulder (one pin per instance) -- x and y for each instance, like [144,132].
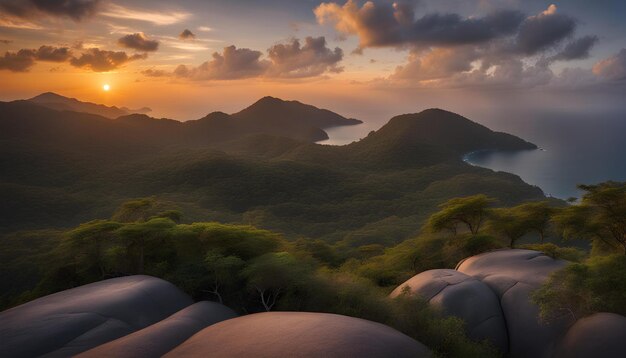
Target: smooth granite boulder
[162,337]
[465,297]
[513,275]
[72,321]
[601,335]
[299,334]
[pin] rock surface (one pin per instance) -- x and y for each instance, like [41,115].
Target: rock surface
[510,276]
[601,335]
[513,275]
[162,337]
[72,321]
[465,297]
[299,334]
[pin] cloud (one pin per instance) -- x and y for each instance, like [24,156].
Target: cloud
[19,61]
[155,73]
[543,31]
[24,59]
[612,68]
[5,42]
[312,59]
[187,35]
[102,61]
[291,59]
[53,54]
[577,49]
[138,41]
[395,25]
[74,9]
[437,63]
[157,18]
[204,28]
[232,63]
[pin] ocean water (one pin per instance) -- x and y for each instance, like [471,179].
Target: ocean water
[575,149]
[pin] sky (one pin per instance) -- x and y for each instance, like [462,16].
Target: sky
[362,59]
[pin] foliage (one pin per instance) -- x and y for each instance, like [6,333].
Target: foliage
[469,211]
[572,254]
[580,289]
[601,216]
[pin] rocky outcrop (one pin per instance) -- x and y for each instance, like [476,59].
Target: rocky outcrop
[300,334]
[73,321]
[490,292]
[513,275]
[463,296]
[143,316]
[601,335]
[162,337]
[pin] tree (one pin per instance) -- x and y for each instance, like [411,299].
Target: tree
[144,209]
[273,274]
[600,217]
[470,211]
[536,216]
[136,236]
[223,270]
[508,223]
[88,244]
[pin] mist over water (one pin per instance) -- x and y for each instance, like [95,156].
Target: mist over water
[576,148]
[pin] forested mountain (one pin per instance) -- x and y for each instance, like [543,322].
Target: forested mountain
[59,168]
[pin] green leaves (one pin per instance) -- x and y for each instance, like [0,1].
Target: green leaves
[469,211]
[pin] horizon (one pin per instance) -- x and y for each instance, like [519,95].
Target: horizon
[352,57]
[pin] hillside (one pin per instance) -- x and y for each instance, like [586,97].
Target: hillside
[62,103]
[442,128]
[63,168]
[273,116]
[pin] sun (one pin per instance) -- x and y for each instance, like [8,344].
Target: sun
[106,87]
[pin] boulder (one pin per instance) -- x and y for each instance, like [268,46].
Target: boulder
[462,296]
[162,337]
[491,292]
[513,275]
[72,321]
[299,334]
[601,335]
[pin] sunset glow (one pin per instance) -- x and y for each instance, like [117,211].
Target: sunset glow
[226,54]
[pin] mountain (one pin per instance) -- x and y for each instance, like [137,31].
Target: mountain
[59,168]
[270,111]
[62,103]
[444,129]
[273,116]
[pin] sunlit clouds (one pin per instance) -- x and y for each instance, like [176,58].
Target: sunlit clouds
[361,48]
[157,18]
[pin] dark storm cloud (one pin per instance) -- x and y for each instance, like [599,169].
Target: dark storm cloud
[187,35]
[74,9]
[577,49]
[138,41]
[612,68]
[24,59]
[101,60]
[381,25]
[312,59]
[543,31]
